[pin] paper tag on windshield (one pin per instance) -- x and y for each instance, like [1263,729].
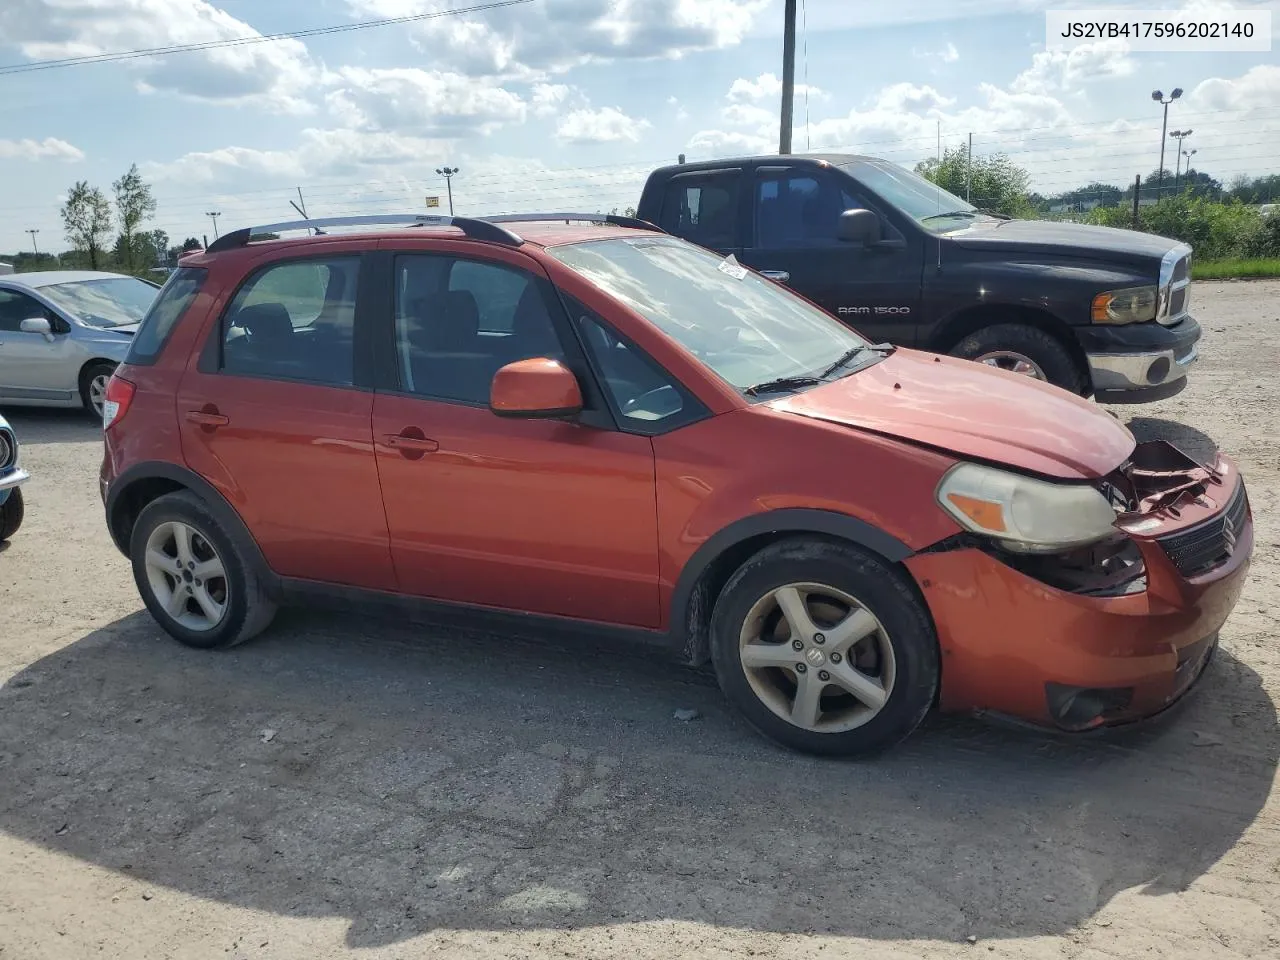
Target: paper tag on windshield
[732,267]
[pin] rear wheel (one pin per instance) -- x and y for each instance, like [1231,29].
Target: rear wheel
[93,387]
[1023,349]
[11,513]
[825,648]
[194,581]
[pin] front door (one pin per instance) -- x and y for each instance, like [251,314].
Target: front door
[874,289]
[540,516]
[274,417]
[33,366]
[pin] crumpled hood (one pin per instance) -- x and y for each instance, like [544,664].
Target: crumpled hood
[974,411]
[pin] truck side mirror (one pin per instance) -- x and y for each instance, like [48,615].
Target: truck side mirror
[861,227]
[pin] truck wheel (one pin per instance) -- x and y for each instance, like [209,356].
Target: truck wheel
[824,648]
[11,512]
[1019,348]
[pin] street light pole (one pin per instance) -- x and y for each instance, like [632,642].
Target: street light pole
[788,77]
[1189,154]
[447,173]
[214,215]
[34,248]
[1159,97]
[1178,135]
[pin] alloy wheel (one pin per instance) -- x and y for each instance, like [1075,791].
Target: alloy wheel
[817,657]
[98,392]
[186,576]
[1013,362]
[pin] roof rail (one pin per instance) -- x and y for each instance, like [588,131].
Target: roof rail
[476,229]
[611,218]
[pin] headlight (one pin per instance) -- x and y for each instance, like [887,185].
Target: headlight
[1131,305]
[1025,515]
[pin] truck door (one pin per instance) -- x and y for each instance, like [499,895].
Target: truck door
[705,207]
[793,239]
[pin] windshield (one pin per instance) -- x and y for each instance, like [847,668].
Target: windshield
[747,329]
[104,303]
[913,194]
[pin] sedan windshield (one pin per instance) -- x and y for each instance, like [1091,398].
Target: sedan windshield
[930,205]
[114,302]
[752,332]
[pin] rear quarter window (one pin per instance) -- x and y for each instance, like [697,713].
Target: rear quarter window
[170,304]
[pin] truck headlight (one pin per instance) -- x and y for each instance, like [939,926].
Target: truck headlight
[1130,305]
[1023,514]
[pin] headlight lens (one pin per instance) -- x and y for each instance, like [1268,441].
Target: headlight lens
[1131,305]
[1023,514]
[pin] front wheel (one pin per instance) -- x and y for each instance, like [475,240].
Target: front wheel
[193,580]
[1026,350]
[11,513]
[93,387]
[824,648]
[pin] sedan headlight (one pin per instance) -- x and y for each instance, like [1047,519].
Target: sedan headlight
[1130,305]
[1023,514]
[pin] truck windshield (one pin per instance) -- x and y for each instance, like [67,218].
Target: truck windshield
[748,330]
[929,204]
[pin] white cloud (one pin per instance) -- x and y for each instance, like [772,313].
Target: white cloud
[425,102]
[50,148]
[948,54]
[536,39]
[606,125]
[767,86]
[1062,70]
[1257,89]
[275,75]
[547,98]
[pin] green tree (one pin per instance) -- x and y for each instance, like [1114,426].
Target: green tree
[998,184]
[134,206]
[86,218]
[191,243]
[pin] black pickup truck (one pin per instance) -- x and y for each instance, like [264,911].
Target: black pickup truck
[1095,310]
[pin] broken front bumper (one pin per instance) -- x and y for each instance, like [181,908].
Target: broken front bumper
[1014,645]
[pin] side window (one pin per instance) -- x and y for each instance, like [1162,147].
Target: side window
[459,321]
[295,321]
[16,307]
[643,394]
[169,305]
[799,210]
[702,210]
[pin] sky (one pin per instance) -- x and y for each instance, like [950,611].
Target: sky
[568,104]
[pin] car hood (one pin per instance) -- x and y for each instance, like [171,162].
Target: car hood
[974,411]
[1072,239]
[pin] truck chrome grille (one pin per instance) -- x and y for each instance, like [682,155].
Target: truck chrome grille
[1211,543]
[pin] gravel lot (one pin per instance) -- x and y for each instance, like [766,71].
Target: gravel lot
[345,786]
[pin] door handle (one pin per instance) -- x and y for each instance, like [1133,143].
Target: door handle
[410,442]
[782,276]
[209,419]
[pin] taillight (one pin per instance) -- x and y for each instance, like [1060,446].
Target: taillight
[119,396]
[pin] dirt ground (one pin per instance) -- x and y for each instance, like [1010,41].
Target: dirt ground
[378,789]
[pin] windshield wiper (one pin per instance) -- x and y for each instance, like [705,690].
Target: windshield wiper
[781,383]
[970,214]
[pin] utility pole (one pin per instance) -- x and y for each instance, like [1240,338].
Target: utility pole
[33,241]
[1159,97]
[447,173]
[788,76]
[214,215]
[1137,188]
[1178,135]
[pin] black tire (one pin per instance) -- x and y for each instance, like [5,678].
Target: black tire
[91,372]
[249,609]
[882,590]
[11,514]
[1044,349]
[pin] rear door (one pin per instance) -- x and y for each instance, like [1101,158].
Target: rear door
[706,207]
[276,415]
[538,516]
[795,212]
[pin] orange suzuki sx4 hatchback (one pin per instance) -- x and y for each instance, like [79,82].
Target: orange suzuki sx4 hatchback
[584,420]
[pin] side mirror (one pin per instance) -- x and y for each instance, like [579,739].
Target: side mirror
[38,325]
[859,226]
[535,389]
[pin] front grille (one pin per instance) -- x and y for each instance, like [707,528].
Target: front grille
[1205,546]
[8,450]
[1178,301]
[1181,269]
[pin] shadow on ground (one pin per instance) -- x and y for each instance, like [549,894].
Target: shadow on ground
[52,425]
[1194,443]
[427,777]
